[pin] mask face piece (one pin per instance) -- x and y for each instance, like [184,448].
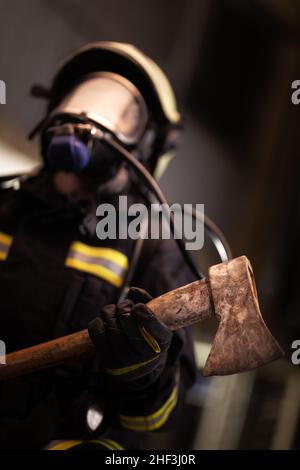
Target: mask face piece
[110,100]
[104,101]
[78,148]
[67,153]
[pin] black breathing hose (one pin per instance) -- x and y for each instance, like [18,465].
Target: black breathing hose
[155,189]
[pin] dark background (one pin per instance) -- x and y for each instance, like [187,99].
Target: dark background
[232,63]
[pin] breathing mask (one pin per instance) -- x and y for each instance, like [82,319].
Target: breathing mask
[103,102]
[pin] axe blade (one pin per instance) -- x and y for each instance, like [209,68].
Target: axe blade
[243,341]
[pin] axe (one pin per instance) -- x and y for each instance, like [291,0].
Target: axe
[242,342]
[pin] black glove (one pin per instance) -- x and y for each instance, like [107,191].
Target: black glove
[132,343]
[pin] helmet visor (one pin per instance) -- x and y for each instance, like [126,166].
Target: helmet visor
[110,100]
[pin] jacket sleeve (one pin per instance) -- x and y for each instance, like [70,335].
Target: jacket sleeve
[151,408]
[162,269]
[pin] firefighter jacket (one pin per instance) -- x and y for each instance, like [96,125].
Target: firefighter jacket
[55,275]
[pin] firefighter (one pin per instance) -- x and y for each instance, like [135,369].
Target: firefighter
[57,276]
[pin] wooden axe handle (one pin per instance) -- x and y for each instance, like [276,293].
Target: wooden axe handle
[176,309]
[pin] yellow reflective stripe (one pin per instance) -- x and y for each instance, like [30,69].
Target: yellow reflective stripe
[5,239]
[156,413]
[5,243]
[127,369]
[107,263]
[108,443]
[65,445]
[97,270]
[153,421]
[106,253]
[150,340]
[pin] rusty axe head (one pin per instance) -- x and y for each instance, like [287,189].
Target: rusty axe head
[243,341]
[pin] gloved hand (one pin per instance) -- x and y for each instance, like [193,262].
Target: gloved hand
[132,343]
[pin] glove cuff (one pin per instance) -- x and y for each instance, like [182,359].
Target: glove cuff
[154,407]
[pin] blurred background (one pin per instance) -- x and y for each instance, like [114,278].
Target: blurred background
[232,63]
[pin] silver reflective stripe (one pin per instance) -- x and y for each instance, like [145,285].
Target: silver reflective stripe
[4,248]
[106,263]
[97,261]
